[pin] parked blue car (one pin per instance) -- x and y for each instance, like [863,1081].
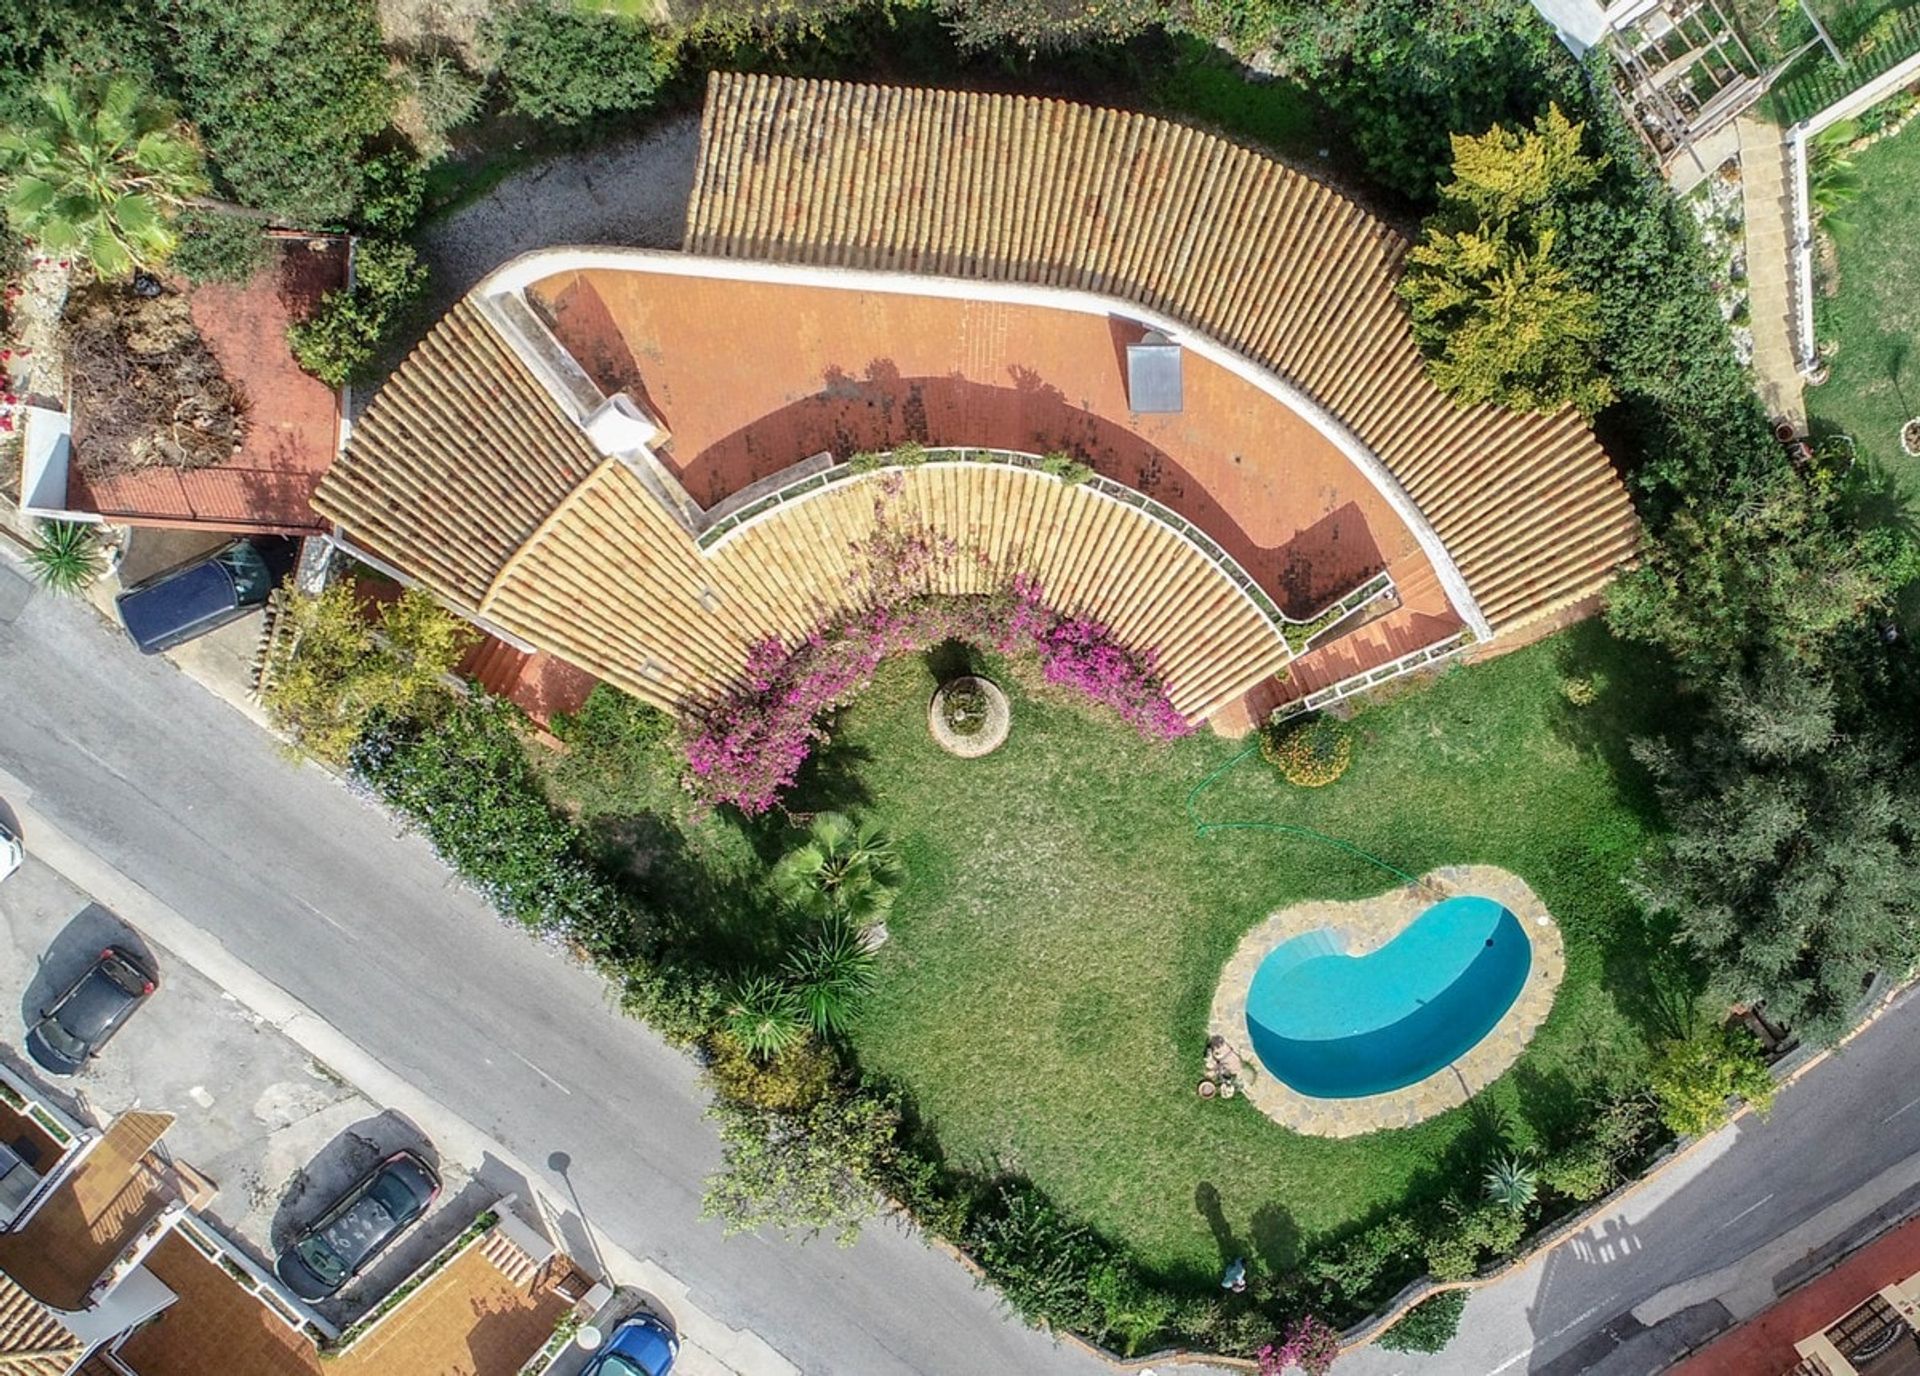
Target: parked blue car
[642,1346]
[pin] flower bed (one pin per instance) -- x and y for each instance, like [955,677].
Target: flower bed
[747,747]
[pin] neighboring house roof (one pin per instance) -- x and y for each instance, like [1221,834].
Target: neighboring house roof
[89,1220]
[1258,257]
[293,419]
[486,1313]
[32,1341]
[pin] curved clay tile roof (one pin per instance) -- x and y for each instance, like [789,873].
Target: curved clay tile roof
[1260,258]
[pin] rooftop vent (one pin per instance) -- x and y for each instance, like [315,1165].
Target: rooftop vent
[619,426]
[1153,374]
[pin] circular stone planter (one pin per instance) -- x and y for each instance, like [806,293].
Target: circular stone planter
[992,730]
[1910,437]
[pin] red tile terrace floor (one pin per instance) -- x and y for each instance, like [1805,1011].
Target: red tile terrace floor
[1763,1345]
[293,419]
[751,377]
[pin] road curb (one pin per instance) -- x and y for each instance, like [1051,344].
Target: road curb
[709,1347]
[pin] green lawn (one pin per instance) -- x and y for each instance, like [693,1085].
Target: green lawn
[1055,951]
[1875,315]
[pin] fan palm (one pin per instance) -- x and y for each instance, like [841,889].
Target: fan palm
[65,557]
[99,172]
[844,870]
[832,975]
[1511,1183]
[764,1015]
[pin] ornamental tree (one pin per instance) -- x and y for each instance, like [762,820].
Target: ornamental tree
[1494,307]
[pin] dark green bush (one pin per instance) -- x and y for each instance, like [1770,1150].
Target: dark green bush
[464,778]
[1365,1269]
[1429,1326]
[343,337]
[568,67]
[1038,1257]
[393,191]
[286,94]
[220,248]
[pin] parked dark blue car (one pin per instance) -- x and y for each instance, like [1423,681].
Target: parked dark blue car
[642,1346]
[172,608]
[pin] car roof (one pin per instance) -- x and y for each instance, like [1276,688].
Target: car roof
[363,1221]
[178,602]
[644,1340]
[95,1002]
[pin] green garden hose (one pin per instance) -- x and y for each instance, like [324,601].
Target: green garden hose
[1204,829]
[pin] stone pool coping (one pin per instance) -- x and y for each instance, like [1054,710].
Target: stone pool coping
[1367,924]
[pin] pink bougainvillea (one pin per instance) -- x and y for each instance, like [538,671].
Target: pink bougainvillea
[1308,1344]
[747,746]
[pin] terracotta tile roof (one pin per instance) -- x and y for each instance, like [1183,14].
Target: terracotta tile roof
[32,1341]
[212,1316]
[1254,255]
[113,1193]
[597,572]
[472,455]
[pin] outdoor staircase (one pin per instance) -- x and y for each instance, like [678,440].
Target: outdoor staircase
[495,665]
[512,1261]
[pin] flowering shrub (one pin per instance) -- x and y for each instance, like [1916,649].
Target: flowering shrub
[746,747]
[1311,751]
[1308,1344]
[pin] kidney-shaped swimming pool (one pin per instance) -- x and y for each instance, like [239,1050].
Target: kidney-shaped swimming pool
[1337,1026]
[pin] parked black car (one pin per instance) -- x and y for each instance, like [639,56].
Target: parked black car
[360,1225]
[172,608]
[84,1019]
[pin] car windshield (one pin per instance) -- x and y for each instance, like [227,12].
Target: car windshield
[392,1194]
[62,1041]
[616,1365]
[252,580]
[321,1260]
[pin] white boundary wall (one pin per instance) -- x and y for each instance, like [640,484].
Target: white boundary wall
[1849,105]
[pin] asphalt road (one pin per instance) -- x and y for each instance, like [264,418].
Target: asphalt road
[1849,1124]
[314,889]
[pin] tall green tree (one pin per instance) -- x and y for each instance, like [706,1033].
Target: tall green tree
[1790,862]
[99,172]
[350,664]
[1495,309]
[804,1172]
[286,94]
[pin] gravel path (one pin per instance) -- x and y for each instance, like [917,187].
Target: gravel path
[632,193]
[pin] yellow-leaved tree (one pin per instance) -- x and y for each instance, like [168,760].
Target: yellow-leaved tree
[1497,314]
[351,662]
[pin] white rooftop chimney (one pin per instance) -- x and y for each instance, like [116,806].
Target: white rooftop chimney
[619,426]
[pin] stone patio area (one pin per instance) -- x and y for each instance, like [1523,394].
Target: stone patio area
[1366,925]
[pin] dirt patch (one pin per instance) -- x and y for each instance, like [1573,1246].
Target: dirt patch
[147,391]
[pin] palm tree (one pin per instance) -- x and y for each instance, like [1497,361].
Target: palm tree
[832,975]
[764,1015]
[844,870]
[65,557]
[1511,1183]
[99,174]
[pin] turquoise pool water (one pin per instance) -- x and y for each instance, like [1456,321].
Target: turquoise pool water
[1336,1026]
